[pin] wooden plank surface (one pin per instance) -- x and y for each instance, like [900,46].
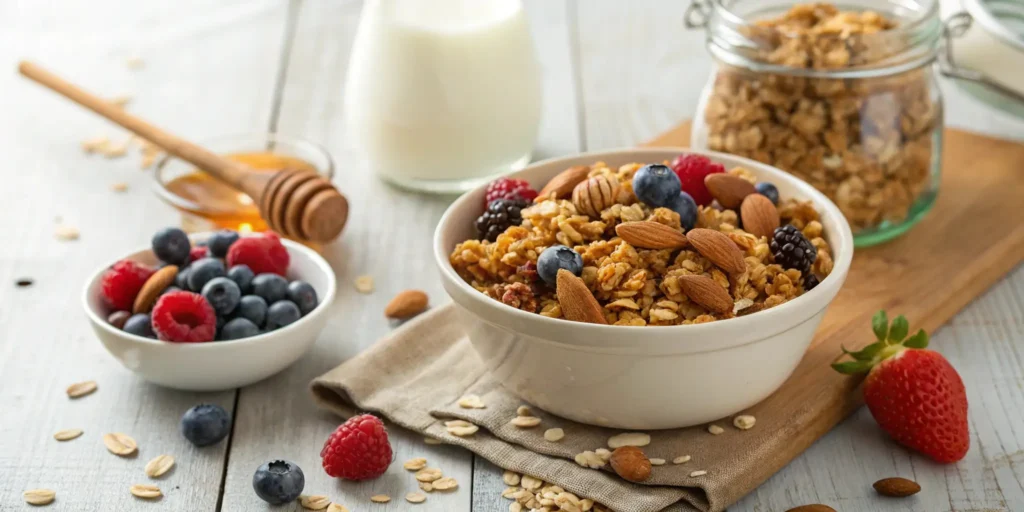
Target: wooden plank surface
[203,75]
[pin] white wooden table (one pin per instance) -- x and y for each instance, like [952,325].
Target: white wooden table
[616,73]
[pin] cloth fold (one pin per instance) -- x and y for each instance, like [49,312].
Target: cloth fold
[415,376]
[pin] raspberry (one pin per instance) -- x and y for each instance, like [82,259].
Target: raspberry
[508,188]
[691,170]
[122,282]
[184,317]
[358,449]
[262,254]
[198,253]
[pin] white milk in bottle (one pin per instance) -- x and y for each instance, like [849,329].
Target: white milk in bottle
[442,95]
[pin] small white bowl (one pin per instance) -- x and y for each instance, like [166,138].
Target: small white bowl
[642,377]
[217,365]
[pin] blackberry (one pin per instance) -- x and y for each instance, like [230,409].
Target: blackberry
[792,249]
[810,281]
[500,215]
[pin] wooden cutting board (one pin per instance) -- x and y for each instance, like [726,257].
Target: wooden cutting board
[973,236]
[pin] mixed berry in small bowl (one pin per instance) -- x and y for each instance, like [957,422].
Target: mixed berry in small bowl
[227,287]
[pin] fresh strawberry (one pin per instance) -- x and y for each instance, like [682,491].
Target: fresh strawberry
[691,170]
[358,449]
[913,393]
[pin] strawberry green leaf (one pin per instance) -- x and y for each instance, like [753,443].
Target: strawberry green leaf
[867,353]
[919,340]
[899,329]
[852,367]
[880,324]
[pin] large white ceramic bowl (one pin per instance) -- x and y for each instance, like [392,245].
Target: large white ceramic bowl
[642,377]
[217,365]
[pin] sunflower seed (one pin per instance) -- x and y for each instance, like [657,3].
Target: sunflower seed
[629,439]
[682,459]
[39,496]
[415,497]
[428,474]
[120,444]
[145,491]
[697,473]
[445,484]
[471,402]
[525,421]
[657,462]
[80,389]
[315,502]
[159,465]
[380,498]
[67,434]
[415,464]
[554,435]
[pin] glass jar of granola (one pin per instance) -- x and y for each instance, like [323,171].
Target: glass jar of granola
[844,98]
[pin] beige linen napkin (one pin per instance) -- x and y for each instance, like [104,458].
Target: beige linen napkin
[414,377]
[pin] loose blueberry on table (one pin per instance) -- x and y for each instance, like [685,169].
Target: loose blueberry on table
[230,288]
[205,424]
[278,482]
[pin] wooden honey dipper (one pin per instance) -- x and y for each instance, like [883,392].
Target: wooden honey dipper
[299,204]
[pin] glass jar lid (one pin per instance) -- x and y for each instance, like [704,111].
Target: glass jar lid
[1003,20]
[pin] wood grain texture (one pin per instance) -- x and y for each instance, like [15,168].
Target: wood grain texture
[204,75]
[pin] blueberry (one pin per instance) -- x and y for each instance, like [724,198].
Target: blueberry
[205,424]
[238,328]
[220,241]
[140,325]
[271,287]
[223,294]
[278,482]
[171,245]
[242,276]
[181,278]
[656,185]
[253,308]
[557,257]
[768,190]
[303,295]
[202,271]
[221,320]
[282,313]
[686,207]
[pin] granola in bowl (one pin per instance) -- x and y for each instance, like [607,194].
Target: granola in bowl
[645,245]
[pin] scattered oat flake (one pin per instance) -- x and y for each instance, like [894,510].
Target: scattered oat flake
[314,502]
[428,474]
[715,429]
[554,435]
[525,421]
[699,472]
[145,491]
[67,434]
[638,439]
[115,150]
[463,431]
[415,464]
[415,497]
[80,389]
[65,232]
[39,496]
[134,62]
[94,144]
[531,483]
[511,477]
[431,440]
[119,186]
[682,459]
[744,422]
[445,484]
[515,506]
[471,402]
[120,444]
[657,462]
[365,284]
[159,465]
[508,492]
[380,498]
[426,487]
[523,410]
[336,507]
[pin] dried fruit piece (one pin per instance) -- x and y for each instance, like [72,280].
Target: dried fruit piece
[717,247]
[415,464]
[594,194]
[760,216]
[159,465]
[896,487]
[67,434]
[120,444]
[630,463]
[728,190]
[315,502]
[563,184]
[145,491]
[629,439]
[39,496]
[577,302]
[705,291]
[647,234]
[80,389]
[407,304]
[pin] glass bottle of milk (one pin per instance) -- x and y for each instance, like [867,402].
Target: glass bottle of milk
[443,95]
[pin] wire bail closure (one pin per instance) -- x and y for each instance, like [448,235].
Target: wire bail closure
[954,27]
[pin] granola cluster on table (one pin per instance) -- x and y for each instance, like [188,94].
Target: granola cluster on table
[674,255]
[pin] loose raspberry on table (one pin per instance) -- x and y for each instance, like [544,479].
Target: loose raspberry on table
[261,253]
[508,188]
[691,170]
[358,449]
[122,282]
[184,317]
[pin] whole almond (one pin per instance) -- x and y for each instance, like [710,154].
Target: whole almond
[897,487]
[760,216]
[575,299]
[718,248]
[407,304]
[561,185]
[595,194]
[727,189]
[705,291]
[155,285]
[817,507]
[630,463]
[647,234]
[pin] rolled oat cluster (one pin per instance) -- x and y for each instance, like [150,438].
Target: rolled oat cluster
[867,143]
[638,286]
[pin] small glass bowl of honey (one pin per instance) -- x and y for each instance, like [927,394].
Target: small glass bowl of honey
[207,204]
